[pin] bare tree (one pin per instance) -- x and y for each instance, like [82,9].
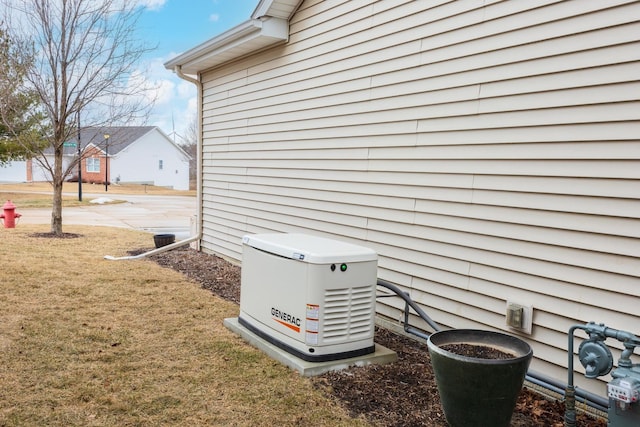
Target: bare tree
[190,145]
[86,52]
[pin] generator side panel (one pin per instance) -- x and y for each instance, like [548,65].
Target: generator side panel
[342,296]
[273,294]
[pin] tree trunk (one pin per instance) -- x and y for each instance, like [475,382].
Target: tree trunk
[57,181]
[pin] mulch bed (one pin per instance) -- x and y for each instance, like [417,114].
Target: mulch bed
[403,393]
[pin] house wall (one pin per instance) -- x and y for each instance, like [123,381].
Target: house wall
[15,171]
[139,163]
[488,151]
[94,177]
[40,174]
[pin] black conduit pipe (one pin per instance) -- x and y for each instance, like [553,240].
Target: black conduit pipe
[409,303]
[595,401]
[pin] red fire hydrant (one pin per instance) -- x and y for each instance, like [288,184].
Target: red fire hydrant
[9,215]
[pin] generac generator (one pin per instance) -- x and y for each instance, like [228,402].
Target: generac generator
[310,296]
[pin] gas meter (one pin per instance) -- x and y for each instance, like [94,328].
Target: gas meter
[624,389]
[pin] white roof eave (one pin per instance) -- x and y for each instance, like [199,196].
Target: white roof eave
[250,36]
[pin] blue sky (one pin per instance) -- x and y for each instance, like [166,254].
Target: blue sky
[176,26]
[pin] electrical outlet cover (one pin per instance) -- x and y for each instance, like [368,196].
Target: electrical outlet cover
[521,314]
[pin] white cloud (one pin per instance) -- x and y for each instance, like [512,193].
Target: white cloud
[175,98]
[152,4]
[192,107]
[185,89]
[214,17]
[164,92]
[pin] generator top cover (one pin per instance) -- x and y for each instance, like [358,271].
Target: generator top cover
[307,248]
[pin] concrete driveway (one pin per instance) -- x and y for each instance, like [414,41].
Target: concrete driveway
[154,214]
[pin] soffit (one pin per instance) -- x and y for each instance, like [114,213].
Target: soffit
[282,9]
[269,25]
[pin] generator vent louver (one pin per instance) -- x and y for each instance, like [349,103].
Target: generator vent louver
[347,313]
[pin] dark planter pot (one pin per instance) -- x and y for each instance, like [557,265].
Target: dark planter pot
[163,239]
[474,391]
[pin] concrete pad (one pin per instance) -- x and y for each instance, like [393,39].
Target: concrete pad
[381,355]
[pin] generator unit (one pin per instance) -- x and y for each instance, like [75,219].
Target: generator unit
[310,296]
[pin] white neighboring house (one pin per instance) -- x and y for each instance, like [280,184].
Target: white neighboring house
[136,154]
[142,155]
[15,171]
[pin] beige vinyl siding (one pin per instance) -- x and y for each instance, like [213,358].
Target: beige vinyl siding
[486,150]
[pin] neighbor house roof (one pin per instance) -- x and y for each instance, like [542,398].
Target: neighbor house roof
[268,25]
[120,137]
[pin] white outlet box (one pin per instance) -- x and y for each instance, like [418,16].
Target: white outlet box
[519,317]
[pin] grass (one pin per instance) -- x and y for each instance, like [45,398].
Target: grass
[39,194]
[36,200]
[90,342]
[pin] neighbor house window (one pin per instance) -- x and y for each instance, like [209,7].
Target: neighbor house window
[93,165]
[160,164]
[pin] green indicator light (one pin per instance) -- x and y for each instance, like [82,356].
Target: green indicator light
[343,267]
